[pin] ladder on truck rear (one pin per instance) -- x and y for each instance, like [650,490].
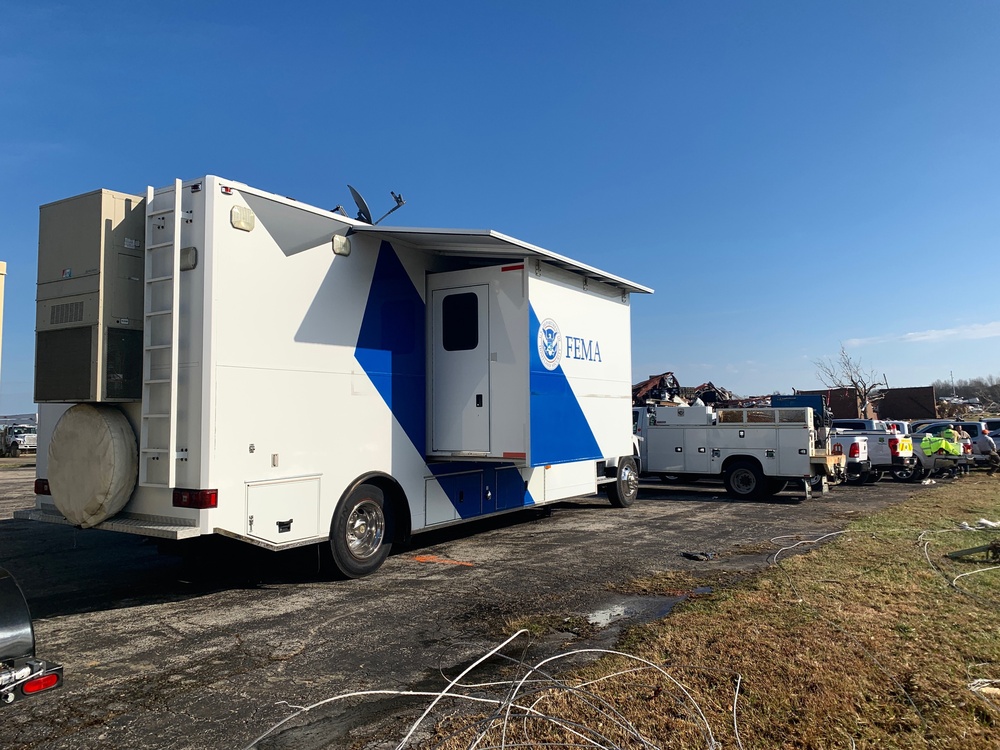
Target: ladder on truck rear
[161,301]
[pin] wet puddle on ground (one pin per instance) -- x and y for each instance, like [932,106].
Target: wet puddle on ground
[642,608]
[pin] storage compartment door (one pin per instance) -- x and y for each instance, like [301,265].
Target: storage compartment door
[460,370]
[284,510]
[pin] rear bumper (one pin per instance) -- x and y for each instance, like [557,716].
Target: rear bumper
[125,523]
[858,467]
[25,678]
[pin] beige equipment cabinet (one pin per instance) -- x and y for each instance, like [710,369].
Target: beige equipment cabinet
[89,319]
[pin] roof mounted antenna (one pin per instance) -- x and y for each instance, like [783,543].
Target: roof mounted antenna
[365,214]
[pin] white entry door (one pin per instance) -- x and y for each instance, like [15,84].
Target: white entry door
[460,369]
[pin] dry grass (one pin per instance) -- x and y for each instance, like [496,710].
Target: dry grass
[867,641]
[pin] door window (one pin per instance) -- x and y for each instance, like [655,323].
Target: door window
[460,322]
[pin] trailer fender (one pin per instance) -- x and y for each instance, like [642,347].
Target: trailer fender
[93,463]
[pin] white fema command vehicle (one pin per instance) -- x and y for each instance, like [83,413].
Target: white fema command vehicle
[215,359]
[755,451]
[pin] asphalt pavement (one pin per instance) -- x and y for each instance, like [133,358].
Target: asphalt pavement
[209,648]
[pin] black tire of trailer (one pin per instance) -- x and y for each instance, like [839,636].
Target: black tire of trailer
[361,531]
[623,491]
[744,479]
[909,474]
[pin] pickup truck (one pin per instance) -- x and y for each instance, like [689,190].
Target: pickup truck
[937,456]
[854,448]
[888,451]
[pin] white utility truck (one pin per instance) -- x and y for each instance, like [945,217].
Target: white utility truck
[16,439]
[756,451]
[215,359]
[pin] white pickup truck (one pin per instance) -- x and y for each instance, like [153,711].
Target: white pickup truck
[854,449]
[888,451]
[755,451]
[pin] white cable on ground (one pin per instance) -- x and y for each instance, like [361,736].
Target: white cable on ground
[736,729]
[973,572]
[451,684]
[711,737]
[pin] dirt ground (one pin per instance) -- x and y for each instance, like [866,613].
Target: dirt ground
[211,648]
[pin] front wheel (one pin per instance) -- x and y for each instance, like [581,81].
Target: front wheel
[359,538]
[15,450]
[623,491]
[745,480]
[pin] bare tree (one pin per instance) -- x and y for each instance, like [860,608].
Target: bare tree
[845,372]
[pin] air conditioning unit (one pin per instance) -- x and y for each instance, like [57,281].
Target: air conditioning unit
[88,324]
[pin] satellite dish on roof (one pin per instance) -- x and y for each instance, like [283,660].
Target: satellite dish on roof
[365,214]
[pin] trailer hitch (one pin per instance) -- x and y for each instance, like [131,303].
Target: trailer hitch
[22,675]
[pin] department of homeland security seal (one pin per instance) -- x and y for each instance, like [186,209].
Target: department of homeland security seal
[550,344]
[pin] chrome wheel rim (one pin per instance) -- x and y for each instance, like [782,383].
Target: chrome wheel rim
[630,480]
[365,529]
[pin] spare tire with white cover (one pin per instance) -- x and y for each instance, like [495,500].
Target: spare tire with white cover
[93,463]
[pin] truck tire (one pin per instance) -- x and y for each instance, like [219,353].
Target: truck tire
[875,475]
[908,474]
[15,450]
[745,480]
[856,478]
[359,532]
[93,463]
[623,491]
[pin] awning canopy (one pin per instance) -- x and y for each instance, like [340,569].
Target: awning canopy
[488,244]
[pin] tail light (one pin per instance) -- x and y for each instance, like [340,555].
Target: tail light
[838,449]
[894,446]
[44,682]
[855,450]
[42,487]
[200,499]
[967,448]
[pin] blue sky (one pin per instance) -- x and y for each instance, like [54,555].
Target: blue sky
[789,176]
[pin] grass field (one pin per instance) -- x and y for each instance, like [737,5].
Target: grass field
[872,638]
